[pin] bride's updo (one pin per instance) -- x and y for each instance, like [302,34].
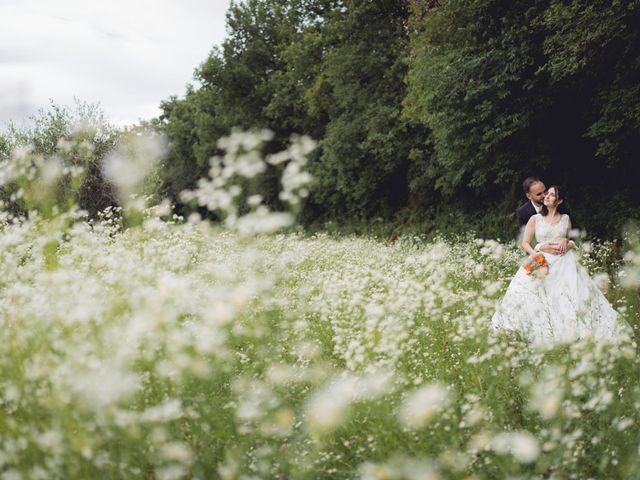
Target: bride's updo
[559,196]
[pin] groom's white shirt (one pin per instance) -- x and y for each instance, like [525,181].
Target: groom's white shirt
[538,208]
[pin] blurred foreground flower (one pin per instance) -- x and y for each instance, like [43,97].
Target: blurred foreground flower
[329,407]
[630,276]
[521,444]
[229,189]
[400,467]
[423,404]
[129,165]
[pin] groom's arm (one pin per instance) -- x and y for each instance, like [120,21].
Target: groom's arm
[528,237]
[520,218]
[552,248]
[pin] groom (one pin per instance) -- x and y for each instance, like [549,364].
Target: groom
[535,191]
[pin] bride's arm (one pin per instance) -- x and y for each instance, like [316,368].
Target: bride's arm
[529,233]
[567,243]
[570,244]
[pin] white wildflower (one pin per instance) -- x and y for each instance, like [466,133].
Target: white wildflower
[423,404]
[131,162]
[521,444]
[164,412]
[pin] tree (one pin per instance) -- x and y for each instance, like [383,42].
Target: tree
[473,82]
[593,58]
[85,135]
[511,89]
[362,167]
[427,109]
[238,82]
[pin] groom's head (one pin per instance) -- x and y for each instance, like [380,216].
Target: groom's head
[534,189]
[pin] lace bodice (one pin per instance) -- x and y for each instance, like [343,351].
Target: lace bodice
[547,232]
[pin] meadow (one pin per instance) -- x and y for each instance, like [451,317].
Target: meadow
[146,345]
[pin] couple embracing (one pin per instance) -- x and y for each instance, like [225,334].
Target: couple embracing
[552,299]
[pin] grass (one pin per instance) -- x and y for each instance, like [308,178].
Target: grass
[181,350]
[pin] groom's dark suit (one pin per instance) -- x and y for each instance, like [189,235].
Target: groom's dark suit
[524,213]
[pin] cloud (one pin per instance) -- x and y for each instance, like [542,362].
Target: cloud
[14,100]
[128,55]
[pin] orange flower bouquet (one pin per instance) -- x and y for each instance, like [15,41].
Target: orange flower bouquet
[536,266]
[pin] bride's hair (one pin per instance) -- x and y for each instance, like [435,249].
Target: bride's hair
[559,196]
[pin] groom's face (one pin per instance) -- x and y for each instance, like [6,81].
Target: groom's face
[536,192]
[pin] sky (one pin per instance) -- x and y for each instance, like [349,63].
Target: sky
[126,55]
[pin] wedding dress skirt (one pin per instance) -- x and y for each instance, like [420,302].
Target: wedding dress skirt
[562,307]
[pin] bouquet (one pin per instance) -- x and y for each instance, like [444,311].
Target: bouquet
[536,266]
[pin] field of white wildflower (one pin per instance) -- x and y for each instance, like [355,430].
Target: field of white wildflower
[177,349]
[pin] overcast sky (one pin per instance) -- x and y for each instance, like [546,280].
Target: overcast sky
[128,55]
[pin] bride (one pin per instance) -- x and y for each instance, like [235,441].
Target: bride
[553,300]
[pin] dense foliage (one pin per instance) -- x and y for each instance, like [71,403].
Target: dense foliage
[429,111]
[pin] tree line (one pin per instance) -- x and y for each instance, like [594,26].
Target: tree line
[428,113]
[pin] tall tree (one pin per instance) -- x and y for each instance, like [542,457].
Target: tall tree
[593,62]
[362,170]
[473,81]
[511,89]
[238,88]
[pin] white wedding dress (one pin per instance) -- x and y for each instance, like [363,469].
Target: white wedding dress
[563,306]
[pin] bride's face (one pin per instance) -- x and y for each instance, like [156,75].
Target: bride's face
[551,198]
